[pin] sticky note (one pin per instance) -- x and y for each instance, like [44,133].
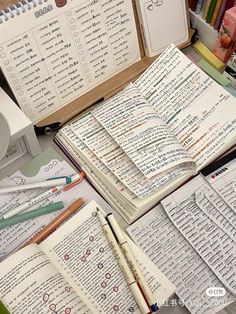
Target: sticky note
[213,73]
[206,54]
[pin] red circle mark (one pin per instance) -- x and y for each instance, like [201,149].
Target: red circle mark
[115,308]
[66,257]
[115,288]
[45,297]
[83,259]
[108,275]
[52,307]
[103,284]
[67,289]
[68,310]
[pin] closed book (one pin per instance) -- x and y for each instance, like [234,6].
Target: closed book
[210,11]
[216,11]
[199,6]
[206,9]
[192,4]
[220,15]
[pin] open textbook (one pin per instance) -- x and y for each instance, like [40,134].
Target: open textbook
[74,271]
[191,237]
[145,141]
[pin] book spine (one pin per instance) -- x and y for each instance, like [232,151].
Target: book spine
[229,4]
[216,11]
[210,11]
[220,15]
[206,9]
[192,4]
[199,6]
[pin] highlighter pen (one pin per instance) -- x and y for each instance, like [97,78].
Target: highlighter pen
[43,234]
[37,199]
[31,214]
[131,282]
[45,184]
[133,263]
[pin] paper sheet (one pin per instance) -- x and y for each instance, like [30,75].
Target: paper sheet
[156,235]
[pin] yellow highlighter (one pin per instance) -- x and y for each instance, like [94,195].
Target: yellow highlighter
[206,54]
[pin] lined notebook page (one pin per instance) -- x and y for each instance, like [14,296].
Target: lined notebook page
[56,51]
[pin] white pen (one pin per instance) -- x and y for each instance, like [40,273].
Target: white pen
[133,263]
[74,180]
[45,184]
[136,292]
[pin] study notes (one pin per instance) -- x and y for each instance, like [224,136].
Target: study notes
[149,138]
[54,51]
[74,271]
[190,236]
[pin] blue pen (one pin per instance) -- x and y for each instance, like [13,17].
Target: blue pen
[57,181]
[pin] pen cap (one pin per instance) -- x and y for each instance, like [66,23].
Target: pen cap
[116,228]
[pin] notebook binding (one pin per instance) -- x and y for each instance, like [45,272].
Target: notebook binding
[17,9]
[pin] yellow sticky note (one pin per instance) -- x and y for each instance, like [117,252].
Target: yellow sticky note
[206,54]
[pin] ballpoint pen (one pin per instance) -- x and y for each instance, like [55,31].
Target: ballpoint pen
[45,184]
[31,214]
[135,290]
[75,179]
[132,262]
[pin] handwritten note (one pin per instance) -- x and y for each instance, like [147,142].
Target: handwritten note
[58,50]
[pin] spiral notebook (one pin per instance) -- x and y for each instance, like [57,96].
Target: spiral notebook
[53,51]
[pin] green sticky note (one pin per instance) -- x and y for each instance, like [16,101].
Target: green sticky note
[213,73]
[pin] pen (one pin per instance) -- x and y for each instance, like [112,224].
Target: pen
[31,214]
[45,184]
[136,292]
[3,309]
[133,263]
[56,222]
[75,179]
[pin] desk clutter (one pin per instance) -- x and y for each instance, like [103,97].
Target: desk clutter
[153,153]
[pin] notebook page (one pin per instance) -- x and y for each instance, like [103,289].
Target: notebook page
[58,50]
[30,284]
[81,252]
[156,235]
[200,112]
[214,241]
[134,124]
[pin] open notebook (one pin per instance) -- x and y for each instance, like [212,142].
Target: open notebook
[74,271]
[145,141]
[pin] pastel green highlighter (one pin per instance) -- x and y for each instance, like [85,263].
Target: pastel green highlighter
[31,214]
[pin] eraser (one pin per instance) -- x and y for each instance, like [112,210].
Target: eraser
[213,73]
[205,53]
